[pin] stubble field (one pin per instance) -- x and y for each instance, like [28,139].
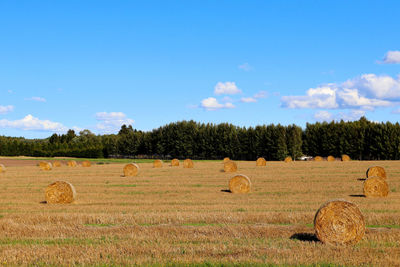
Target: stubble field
[173,215]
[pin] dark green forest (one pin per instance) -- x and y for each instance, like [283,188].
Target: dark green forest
[362,139]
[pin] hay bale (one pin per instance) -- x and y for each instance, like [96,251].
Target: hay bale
[131,169]
[261,162]
[56,163]
[2,168]
[175,162]
[376,187]
[86,163]
[60,192]
[45,166]
[339,222]
[376,171]
[157,163]
[345,157]
[71,163]
[230,166]
[318,158]
[288,159]
[188,163]
[240,184]
[226,159]
[331,158]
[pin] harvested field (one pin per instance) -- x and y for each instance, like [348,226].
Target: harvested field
[180,215]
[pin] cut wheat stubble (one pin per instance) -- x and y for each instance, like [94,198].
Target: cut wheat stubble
[339,222]
[60,192]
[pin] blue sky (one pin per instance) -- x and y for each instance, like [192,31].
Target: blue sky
[98,64]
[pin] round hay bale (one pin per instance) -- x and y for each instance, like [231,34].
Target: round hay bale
[318,158]
[175,162]
[226,159]
[331,158]
[2,168]
[71,163]
[157,163]
[339,222]
[131,169]
[261,162]
[240,184]
[345,157]
[376,171]
[56,163]
[60,192]
[86,163]
[376,187]
[288,159]
[45,166]
[188,163]
[230,166]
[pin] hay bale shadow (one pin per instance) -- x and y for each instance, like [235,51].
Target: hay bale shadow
[305,237]
[43,202]
[356,195]
[226,190]
[361,179]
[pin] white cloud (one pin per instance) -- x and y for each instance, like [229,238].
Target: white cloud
[392,57]
[226,88]
[261,94]
[248,100]
[352,115]
[365,92]
[111,122]
[212,103]
[323,115]
[6,109]
[36,98]
[246,67]
[34,124]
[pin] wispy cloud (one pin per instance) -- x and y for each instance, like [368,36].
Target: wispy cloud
[36,98]
[246,67]
[391,57]
[351,115]
[248,100]
[111,122]
[32,123]
[212,103]
[6,109]
[226,88]
[261,94]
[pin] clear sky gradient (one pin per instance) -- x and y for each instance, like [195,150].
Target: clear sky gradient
[99,64]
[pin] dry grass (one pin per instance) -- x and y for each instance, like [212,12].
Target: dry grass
[181,215]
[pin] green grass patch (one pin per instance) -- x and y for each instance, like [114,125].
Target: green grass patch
[99,224]
[393,226]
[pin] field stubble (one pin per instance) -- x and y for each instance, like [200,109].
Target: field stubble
[185,215]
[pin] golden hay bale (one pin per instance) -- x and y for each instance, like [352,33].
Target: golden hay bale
[188,163]
[288,159]
[157,163]
[45,166]
[131,169]
[376,187]
[60,192]
[261,162]
[175,162]
[226,159]
[318,158]
[345,157]
[56,163]
[331,158]
[376,171]
[2,168]
[240,184]
[230,166]
[339,222]
[71,163]
[86,163]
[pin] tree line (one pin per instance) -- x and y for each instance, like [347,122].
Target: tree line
[362,139]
